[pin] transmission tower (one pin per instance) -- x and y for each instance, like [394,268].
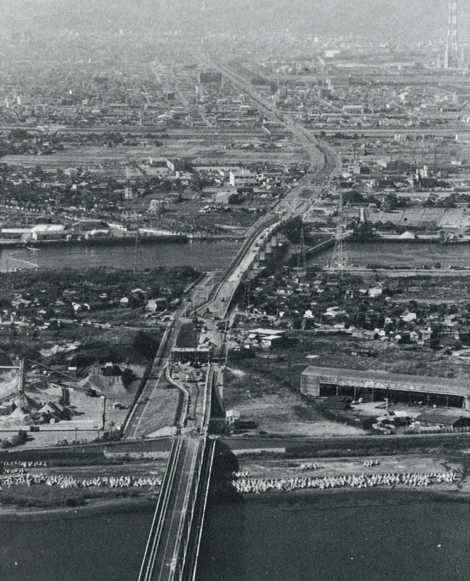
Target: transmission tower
[339,259]
[301,258]
[452,55]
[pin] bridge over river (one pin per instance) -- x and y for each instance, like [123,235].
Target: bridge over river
[173,541]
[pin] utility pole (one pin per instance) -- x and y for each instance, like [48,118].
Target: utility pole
[339,260]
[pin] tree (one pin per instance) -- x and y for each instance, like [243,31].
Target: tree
[128,376]
[146,345]
[434,340]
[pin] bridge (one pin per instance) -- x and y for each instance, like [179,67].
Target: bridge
[174,538]
[175,533]
[173,542]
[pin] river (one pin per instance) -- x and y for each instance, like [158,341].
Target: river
[406,254]
[370,536]
[91,548]
[199,254]
[365,536]
[205,255]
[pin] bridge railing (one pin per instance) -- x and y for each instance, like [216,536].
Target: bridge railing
[204,492]
[189,508]
[148,561]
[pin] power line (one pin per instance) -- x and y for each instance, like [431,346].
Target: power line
[339,260]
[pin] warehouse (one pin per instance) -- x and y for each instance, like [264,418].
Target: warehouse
[379,385]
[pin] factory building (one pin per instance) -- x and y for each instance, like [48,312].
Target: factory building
[378,385]
[242,179]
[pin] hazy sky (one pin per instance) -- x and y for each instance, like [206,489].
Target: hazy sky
[399,18]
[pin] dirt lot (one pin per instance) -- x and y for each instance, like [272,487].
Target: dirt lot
[328,467]
[265,389]
[275,407]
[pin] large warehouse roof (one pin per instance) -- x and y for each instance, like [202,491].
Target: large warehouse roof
[393,381]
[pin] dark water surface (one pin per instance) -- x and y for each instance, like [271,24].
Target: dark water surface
[340,537]
[406,254]
[91,548]
[378,536]
[199,254]
[217,255]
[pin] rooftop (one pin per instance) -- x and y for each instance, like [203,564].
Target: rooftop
[395,381]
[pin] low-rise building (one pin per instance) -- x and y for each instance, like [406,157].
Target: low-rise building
[379,385]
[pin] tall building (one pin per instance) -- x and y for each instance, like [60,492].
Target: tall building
[452,55]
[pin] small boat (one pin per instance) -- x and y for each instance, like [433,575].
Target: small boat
[32,248]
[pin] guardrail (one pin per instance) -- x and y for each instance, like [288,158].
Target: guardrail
[197,535]
[153,540]
[260,228]
[207,400]
[189,507]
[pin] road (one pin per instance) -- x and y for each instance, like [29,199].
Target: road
[151,381]
[324,162]
[157,405]
[173,518]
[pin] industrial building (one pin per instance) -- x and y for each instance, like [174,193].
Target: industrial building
[242,179]
[378,385]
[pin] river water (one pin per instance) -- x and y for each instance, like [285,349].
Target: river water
[217,255]
[199,254]
[92,548]
[378,536]
[402,254]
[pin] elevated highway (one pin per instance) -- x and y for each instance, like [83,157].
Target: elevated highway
[323,163]
[173,542]
[175,533]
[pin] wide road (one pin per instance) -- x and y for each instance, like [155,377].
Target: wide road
[173,519]
[323,163]
[167,543]
[157,405]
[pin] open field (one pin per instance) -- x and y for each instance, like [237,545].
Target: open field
[263,394]
[266,390]
[282,468]
[105,158]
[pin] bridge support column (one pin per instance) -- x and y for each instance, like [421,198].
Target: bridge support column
[466,403]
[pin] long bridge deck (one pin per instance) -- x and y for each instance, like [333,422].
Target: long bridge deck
[173,541]
[174,538]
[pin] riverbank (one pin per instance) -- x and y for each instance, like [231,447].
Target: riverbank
[182,238]
[93,507]
[260,477]
[357,497]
